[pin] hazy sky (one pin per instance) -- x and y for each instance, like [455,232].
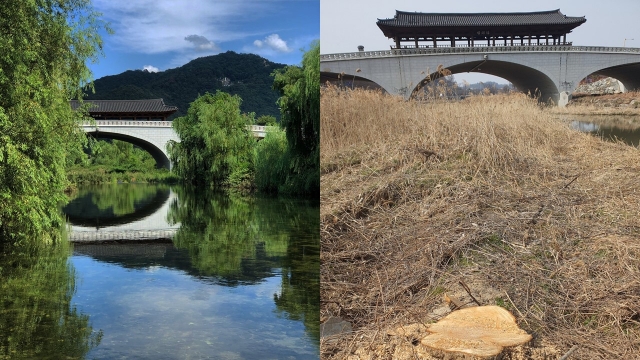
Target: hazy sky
[163,34]
[345,24]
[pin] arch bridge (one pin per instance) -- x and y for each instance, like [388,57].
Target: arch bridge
[551,72]
[152,136]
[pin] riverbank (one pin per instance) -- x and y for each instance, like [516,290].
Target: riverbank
[606,104]
[491,194]
[99,174]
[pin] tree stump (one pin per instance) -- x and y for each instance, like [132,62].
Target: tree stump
[482,332]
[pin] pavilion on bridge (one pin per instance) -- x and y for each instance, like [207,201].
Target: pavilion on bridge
[481,29]
[140,110]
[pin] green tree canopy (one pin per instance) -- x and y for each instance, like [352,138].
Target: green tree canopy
[45,44]
[215,145]
[299,103]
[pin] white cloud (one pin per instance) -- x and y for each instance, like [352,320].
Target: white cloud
[273,42]
[160,26]
[201,43]
[151,68]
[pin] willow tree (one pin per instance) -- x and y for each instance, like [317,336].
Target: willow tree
[299,102]
[215,148]
[45,45]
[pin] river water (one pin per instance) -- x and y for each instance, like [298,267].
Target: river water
[609,127]
[237,278]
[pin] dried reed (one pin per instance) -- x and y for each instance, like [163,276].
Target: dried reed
[492,191]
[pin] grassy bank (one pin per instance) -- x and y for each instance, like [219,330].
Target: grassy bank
[99,174]
[492,194]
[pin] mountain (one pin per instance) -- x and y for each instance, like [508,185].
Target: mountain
[247,75]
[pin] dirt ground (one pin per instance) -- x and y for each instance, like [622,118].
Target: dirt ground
[429,207]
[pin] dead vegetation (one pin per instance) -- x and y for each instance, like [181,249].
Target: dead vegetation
[609,104]
[490,198]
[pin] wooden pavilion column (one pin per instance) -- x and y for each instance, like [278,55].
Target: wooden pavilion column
[416,42]
[453,41]
[397,42]
[564,38]
[435,43]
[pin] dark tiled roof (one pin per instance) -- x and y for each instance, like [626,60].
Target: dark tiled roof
[417,19]
[126,106]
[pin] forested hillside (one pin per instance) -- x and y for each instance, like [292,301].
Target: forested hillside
[245,75]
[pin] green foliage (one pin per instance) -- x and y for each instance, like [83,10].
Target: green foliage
[272,162]
[299,102]
[267,120]
[112,200]
[215,147]
[117,161]
[100,174]
[249,77]
[121,156]
[37,319]
[45,45]
[241,239]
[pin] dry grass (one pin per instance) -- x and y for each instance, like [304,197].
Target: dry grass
[492,192]
[613,104]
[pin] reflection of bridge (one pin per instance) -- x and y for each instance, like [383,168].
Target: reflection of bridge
[152,136]
[553,71]
[153,226]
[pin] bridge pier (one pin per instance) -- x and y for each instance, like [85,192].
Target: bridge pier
[564,98]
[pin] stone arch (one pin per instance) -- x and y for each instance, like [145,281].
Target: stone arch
[349,80]
[159,155]
[524,78]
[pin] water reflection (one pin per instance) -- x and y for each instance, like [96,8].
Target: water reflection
[242,239]
[608,127]
[37,318]
[241,276]
[114,204]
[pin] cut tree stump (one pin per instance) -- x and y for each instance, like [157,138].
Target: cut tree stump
[481,332]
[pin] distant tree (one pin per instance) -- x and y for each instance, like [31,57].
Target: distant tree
[215,145]
[299,102]
[266,120]
[44,48]
[121,156]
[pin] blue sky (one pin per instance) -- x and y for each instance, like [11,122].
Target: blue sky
[164,34]
[345,24]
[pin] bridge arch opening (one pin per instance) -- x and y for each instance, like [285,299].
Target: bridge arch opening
[626,76]
[86,209]
[348,81]
[162,161]
[523,78]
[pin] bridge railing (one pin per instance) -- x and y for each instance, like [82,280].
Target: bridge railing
[135,123]
[123,235]
[258,130]
[477,49]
